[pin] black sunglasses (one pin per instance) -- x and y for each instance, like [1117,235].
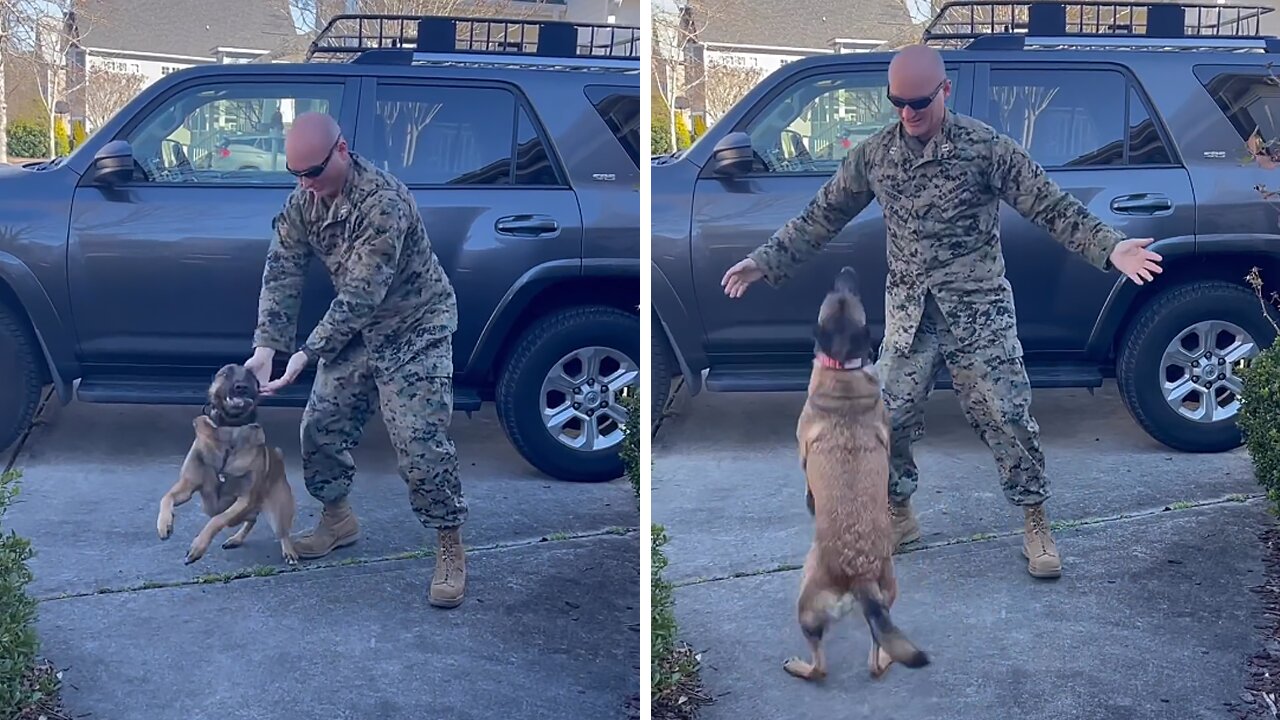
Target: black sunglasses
[916,104]
[315,170]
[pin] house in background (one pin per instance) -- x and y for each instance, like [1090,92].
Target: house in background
[759,37]
[152,38]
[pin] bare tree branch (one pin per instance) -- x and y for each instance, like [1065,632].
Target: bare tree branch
[107,91]
[726,83]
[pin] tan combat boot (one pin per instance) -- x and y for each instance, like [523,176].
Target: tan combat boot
[450,579]
[905,528]
[337,528]
[1038,546]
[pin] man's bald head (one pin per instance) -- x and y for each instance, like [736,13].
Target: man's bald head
[918,74]
[315,140]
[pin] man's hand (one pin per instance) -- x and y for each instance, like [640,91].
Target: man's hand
[260,364]
[1132,258]
[297,363]
[739,277]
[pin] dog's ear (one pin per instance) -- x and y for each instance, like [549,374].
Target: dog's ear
[824,338]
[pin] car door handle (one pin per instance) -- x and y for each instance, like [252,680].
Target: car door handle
[1141,204]
[526,225]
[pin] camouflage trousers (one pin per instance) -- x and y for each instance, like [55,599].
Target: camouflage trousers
[417,407]
[994,393]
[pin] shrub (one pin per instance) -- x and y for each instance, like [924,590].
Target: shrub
[28,139]
[61,138]
[683,140]
[675,684]
[699,126]
[28,687]
[631,440]
[78,134]
[1259,418]
[659,128]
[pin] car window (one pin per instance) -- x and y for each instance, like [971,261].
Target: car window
[441,135]
[620,109]
[813,125]
[1073,118]
[1250,100]
[226,133]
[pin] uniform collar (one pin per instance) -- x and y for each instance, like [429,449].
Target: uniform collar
[942,145]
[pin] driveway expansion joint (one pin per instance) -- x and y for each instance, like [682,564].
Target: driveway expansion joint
[261,571]
[1058,526]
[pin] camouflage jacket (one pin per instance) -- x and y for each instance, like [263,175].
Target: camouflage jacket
[941,206]
[389,286]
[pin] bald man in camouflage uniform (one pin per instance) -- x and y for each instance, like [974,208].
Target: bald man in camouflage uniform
[940,177]
[386,340]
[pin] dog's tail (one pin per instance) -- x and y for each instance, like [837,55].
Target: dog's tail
[886,634]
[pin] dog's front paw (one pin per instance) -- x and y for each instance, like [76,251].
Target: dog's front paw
[801,669]
[289,553]
[164,525]
[196,552]
[232,542]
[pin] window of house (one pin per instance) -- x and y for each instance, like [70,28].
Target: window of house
[810,128]
[443,135]
[226,133]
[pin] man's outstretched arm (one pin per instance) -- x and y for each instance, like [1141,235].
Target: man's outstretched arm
[840,199]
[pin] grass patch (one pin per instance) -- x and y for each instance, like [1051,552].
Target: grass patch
[29,685]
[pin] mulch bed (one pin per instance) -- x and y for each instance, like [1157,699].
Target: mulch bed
[1260,699]
[44,675]
[686,698]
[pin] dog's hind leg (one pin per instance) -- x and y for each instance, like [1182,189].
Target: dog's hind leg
[280,509]
[813,610]
[889,643]
[880,660]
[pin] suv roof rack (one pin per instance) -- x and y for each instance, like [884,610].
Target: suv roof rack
[404,39]
[1082,24]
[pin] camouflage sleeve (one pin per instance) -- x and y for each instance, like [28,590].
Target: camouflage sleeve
[371,268]
[282,280]
[1021,182]
[839,200]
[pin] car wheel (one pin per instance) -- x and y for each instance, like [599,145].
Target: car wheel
[662,368]
[20,360]
[1178,368]
[558,395]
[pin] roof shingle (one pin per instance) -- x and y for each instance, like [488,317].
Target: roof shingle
[184,27]
[797,23]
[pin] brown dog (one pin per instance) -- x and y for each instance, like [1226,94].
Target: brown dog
[233,469]
[843,437]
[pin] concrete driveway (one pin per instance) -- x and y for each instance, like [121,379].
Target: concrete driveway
[1151,619]
[550,627]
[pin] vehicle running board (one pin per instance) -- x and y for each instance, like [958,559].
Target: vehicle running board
[131,390]
[795,378]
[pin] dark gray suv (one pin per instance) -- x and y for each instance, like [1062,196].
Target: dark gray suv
[1164,123]
[133,265]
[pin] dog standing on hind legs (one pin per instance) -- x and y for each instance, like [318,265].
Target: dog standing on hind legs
[843,437]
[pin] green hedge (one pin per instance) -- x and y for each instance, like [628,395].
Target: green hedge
[1259,418]
[631,440]
[28,139]
[28,686]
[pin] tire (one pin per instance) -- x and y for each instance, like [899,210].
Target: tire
[20,359]
[662,368]
[1142,373]
[521,401]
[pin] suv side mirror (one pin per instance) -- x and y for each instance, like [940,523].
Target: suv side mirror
[732,155]
[112,164]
